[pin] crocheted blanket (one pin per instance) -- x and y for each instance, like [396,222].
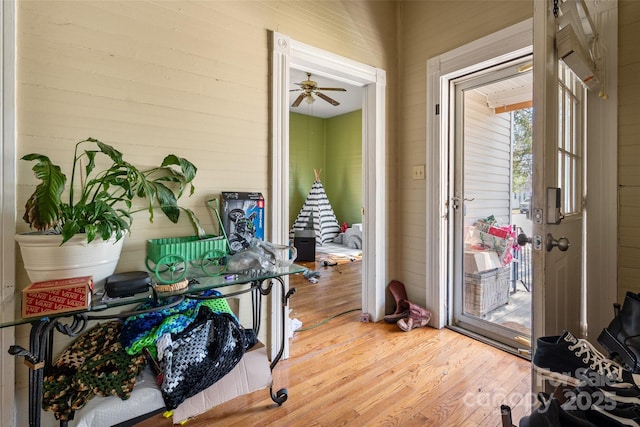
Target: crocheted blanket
[95,364]
[199,341]
[143,330]
[199,356]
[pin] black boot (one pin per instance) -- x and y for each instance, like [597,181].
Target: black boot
[622,337]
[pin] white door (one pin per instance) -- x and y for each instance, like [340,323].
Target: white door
[558,174]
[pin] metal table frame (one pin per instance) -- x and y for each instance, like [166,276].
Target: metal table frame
[39,357]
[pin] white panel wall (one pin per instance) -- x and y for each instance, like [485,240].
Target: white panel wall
[183,77]
[628,149]
[428,29]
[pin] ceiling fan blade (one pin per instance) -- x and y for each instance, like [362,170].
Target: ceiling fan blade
[341,89]
[294,90]
[326,98]
[298,100]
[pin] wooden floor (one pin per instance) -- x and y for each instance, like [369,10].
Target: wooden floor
[345,372]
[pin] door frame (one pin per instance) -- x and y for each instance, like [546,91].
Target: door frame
[288,53]
[500,335]
[8,202]
[504,45]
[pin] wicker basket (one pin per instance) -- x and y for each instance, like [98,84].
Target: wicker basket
[485,291]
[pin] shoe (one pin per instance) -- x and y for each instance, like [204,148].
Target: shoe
[573,361]
[621,415]
[400,295]
[417,318]
[551,413]
[622,337]
[602,410]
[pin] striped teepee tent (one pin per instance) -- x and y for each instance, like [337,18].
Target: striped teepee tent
[317,214]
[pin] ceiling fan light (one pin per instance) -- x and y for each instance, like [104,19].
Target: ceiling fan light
[310,99]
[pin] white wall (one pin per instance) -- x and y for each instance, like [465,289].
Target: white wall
[426,30]
[158,77]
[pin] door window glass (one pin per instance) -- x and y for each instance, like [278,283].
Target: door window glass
[570,137]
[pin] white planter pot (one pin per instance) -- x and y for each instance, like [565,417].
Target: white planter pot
[44,258]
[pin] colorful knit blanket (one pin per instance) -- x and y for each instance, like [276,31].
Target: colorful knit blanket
[143,330]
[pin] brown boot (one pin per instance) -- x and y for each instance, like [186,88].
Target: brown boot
[417,318]
[400,295]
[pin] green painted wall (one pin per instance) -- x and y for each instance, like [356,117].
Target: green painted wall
[342,178]
[334,146]
[306,153]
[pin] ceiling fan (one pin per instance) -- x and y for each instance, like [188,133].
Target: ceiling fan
[309,87]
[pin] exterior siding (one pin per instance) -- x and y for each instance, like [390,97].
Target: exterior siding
[487,161]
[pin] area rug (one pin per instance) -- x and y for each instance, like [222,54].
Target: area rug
[335,249]
[334,259]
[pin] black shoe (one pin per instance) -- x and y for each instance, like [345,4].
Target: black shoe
[622,337]
[622,415]
[602,410]
[551,414]
[568,360]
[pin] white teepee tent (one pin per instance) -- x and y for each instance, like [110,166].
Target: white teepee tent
[317,214]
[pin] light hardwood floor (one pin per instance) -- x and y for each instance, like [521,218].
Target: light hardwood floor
[348,373]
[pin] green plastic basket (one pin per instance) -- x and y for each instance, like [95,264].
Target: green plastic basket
[190,247]
[170,258]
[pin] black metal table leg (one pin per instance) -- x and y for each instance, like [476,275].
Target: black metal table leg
[39,346]
[281,396]
[39,357]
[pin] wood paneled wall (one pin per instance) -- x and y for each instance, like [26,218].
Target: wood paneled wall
[628,147]
[183,77]
[427,29]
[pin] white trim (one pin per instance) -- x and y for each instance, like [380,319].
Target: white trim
[8,204]
[288,53]
[280,60]
[602,164]
[504,45]
[374,267]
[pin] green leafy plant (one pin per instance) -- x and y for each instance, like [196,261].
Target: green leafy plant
[103,206]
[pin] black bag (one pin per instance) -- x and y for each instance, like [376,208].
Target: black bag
[127,284]
[205,351]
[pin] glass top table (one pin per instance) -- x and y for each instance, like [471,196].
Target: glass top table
[11,315]
[39,355]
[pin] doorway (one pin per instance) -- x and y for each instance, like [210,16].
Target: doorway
[500,47]
[325,170]
[491,158]
[286,54]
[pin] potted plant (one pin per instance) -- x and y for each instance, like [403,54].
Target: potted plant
[97,209]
